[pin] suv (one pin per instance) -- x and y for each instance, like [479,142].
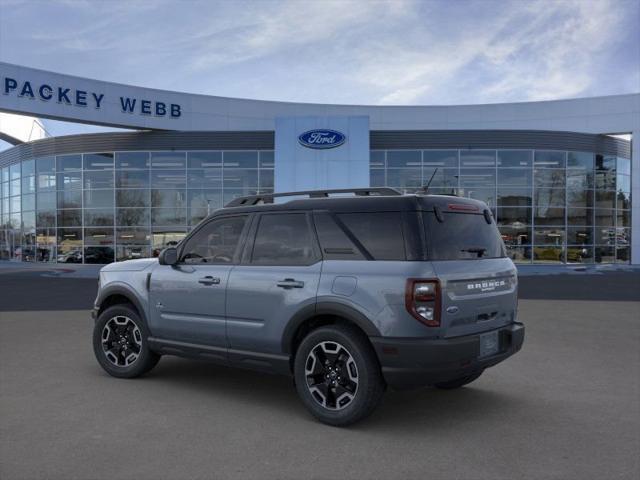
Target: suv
[347,294]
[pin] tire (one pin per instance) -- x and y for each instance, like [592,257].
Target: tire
[126,333]
[458,382]
[347,388]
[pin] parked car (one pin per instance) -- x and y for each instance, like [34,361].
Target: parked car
[349,295]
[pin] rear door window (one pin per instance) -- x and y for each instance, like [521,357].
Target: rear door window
[380,233]
[283,239]
[462,236]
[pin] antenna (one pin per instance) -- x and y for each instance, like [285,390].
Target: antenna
[425,188]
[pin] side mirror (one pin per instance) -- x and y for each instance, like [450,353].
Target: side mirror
[168,256]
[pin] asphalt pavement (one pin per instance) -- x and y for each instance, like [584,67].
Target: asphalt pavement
[567,406]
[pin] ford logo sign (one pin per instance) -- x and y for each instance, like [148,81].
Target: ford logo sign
[322,138]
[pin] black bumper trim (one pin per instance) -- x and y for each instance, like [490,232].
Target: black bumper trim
[412,363]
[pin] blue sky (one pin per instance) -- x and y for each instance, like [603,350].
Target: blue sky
[363,52]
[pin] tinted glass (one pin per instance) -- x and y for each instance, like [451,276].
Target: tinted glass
[379,233]
[98,161]
[283,240]
[215,243]
[69,162]
[132,160]
[334,242]
[462,236]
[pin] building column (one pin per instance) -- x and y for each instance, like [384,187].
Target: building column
[635,197]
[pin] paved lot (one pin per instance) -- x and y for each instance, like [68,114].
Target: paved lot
[567,406]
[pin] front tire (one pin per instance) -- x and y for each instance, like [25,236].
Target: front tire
[120,343]
[337,375]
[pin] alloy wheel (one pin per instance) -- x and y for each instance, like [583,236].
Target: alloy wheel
[332,375]
[121,341]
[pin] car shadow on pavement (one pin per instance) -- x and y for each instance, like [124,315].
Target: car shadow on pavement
[399,410]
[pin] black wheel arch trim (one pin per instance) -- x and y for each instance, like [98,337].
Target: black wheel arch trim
[326,308]
[121,290]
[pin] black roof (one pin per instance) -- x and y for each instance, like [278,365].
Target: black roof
[377,203]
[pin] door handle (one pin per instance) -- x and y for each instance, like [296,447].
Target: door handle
[209,280]
[290,283]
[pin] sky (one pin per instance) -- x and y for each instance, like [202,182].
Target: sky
[396,52]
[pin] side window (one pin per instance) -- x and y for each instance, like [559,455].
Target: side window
[380,233]
[215,243]
[335,244]
[283,239]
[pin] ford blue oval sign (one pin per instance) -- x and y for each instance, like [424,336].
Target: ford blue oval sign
[322,138]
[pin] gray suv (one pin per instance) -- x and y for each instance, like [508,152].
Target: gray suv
[348,292]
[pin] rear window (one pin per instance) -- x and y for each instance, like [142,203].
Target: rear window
[462,236]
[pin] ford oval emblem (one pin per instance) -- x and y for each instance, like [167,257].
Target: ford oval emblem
[322,138]
[452,309]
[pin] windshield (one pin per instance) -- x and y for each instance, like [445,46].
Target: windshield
[462,236]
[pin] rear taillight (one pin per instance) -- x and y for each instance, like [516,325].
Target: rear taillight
[422,299]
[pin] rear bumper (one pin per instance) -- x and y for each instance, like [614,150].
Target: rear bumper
[411,363]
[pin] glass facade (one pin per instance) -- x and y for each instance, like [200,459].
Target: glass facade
[551,206]
[110,206]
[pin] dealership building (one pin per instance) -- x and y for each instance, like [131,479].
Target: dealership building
[561,177]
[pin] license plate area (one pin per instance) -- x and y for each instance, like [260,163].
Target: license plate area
[489,344]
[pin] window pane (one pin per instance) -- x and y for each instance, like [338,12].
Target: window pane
[215,243]
[43,165]
[404,158]
[604,254]
[168,179]
[99,254]
[168,160]
[605,199]
[548,254]
[376,158]
[132,216]
[476,177]
[549,159]
[240,178]
[168,198]
[514,158]
[605,235]
[604,217]
[283,240]
[548,216]
[379,233]
[46,218]
[582,160]
[98,179]
[477,158]
[132,198]
[131,252]
[377,178]
[70,218]
[514,176]
[623,183]
[623,166]
[549,178]
[98,217]
[578,197]
[519,254]
[514,197]
[132,160]
[443,178]
[266,179]
[205,178]
[267,159]
[579,178]
[204,159]
[240,159]
[410,178]
[623,254]
[98,236]
[29,202]
[98,198]
[580,235]
[69,180]
[580,254]
[546,197]
[519,234]
[624,218]
[549,236]
[579,216]
[514,216]
[440,158]
[486,195]
[98,161]
[605,163]
[132,178]
[133,236]
[28,168]
[334,242]
[69,162]
[168,216]
[46,200]
[70,199]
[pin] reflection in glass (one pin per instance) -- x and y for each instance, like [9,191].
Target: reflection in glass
[440,158]
[138,160]
[240,159]
[204,159]
[515,158]
[549,159]
[477,158]
[97,161]
[168,160]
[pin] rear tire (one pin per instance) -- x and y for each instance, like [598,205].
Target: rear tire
[120,343]
[458,382]
[337,375]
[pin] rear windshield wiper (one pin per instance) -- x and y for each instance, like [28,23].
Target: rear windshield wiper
[478,250]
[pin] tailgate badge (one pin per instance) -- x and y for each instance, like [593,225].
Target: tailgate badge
[452,309]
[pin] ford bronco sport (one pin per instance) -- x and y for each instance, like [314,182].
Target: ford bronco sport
[348,294]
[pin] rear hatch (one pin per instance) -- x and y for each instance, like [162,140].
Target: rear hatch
[478,282]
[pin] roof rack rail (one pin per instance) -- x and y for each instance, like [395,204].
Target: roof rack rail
[268,197]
